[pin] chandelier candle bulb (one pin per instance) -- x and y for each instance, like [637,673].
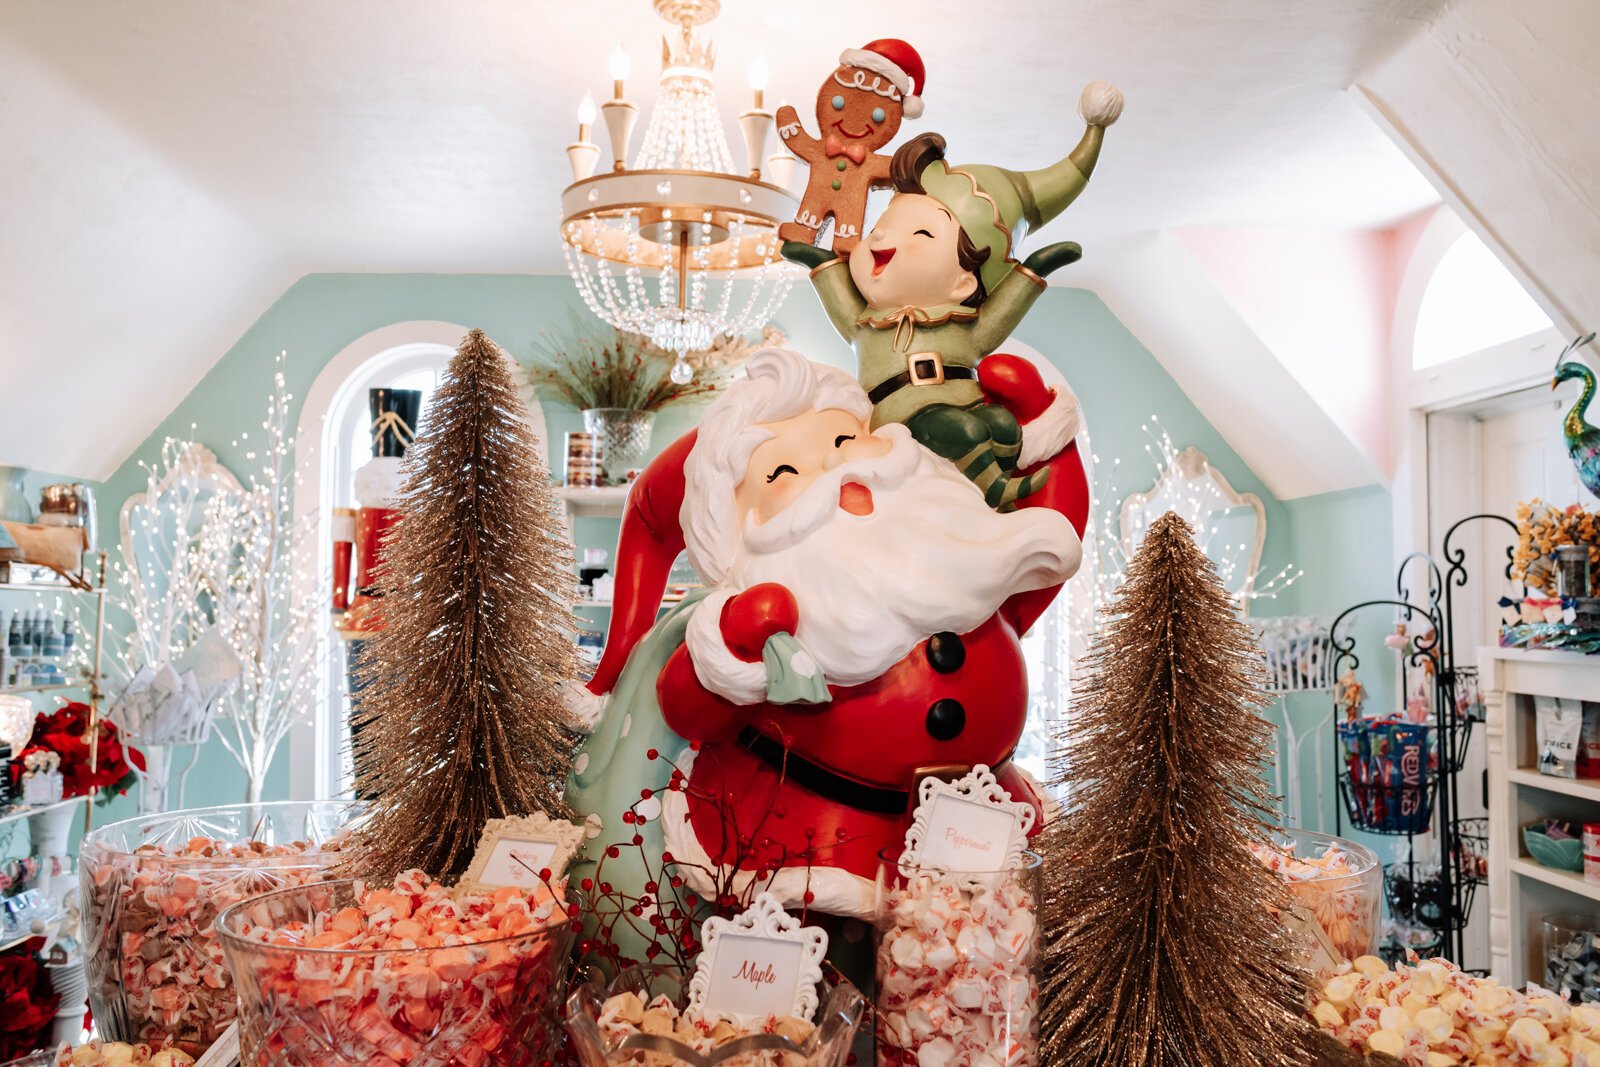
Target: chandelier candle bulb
[619,71]
[583,154]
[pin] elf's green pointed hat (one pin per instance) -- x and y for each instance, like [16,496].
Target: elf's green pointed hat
[997,207]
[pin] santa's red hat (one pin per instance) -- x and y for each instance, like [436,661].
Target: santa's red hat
[896,60]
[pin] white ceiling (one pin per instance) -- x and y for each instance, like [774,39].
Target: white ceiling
[172,167]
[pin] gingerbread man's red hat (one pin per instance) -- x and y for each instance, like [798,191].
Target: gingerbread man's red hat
[895,60]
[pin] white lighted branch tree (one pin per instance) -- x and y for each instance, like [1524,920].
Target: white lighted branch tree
[1230,527]
[251,545]
[160,585]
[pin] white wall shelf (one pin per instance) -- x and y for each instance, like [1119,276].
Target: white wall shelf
[1521,892]
[585,503]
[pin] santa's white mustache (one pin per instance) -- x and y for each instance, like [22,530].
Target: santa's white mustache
[819,504]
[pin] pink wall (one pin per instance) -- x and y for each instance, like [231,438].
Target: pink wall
[1322,302]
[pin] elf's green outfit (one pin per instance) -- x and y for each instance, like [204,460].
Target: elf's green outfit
[919,364]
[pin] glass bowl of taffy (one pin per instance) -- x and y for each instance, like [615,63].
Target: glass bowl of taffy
[345,974]
[643,1018]
[1339,882]
[152,889]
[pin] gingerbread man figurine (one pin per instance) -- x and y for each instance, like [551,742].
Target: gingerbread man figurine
[858,112]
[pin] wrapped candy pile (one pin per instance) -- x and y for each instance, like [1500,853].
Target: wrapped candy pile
[1433,1015]
[343,974]
[1344,903]
[624,1015]
[117,1054]
[156,971]
[955,975]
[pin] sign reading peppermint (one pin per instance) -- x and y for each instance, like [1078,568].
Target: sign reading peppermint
[970,825]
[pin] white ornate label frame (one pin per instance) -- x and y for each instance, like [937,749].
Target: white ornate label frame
[763,920]
[561,838]
[980,790]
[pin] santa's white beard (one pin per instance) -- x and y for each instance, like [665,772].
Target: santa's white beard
[932,556]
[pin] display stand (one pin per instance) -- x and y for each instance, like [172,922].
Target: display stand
[1427,796]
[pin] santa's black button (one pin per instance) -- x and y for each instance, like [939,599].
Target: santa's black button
[946,719]
[946,653]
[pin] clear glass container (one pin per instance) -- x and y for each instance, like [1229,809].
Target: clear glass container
[837,1020]
[1338,881]
[956,958]
[1572,956]
[1572,571]
[489,1002]
[624,439]
[156,970]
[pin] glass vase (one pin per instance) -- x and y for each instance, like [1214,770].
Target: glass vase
[956,959]
[156,971]
[479,1003]
[14,503]
[837,1020]
[624,439]
[1572,957]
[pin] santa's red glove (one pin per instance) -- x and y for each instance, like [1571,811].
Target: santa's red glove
[1015,384]
[753,616]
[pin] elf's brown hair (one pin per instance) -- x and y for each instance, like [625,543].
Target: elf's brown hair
[905,173]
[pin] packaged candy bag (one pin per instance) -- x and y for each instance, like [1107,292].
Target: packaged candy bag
[1558,729]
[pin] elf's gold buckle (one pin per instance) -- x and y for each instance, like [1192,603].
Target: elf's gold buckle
[925,368]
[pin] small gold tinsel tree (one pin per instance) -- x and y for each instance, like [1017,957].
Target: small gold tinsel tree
[1162,944]
[462,718]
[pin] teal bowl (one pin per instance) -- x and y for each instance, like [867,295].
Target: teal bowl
[1562,855]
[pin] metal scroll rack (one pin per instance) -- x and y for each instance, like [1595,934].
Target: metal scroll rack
[1406,778]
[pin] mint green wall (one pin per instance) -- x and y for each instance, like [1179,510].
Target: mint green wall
[1118,381]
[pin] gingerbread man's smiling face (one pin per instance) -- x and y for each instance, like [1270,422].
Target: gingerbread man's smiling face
[854,106]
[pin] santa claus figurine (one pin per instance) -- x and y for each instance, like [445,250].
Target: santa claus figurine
[860,630]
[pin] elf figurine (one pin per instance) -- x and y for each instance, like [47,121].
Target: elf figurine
[935,288]
[859,109]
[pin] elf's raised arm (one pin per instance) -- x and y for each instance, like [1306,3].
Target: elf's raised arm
[830,277]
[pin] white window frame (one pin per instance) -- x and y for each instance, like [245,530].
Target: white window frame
[337,399]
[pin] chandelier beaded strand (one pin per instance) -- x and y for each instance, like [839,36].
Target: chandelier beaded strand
[682,215]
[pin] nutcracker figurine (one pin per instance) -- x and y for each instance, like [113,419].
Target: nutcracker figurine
[359,532]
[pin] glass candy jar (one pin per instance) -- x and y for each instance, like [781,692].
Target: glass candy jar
[152,888]
[956,959]
[1572,957]
[491,995]
[1339,882]
[610,1027]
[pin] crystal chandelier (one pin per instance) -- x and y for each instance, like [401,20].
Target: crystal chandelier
[681,247]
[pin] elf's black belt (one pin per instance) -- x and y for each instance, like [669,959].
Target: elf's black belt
[889,386]
[827,784]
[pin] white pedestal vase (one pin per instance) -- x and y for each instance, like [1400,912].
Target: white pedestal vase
[47,830]
[71,985]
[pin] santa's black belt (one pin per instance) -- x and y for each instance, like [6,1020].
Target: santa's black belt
[830,785]
[884,389]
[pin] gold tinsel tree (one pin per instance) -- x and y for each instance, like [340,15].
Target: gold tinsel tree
[462,719]
[1163,948]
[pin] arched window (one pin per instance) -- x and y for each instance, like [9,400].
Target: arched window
[333,443]
[1471,302]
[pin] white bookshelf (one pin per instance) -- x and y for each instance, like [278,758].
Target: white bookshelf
[1521,892]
